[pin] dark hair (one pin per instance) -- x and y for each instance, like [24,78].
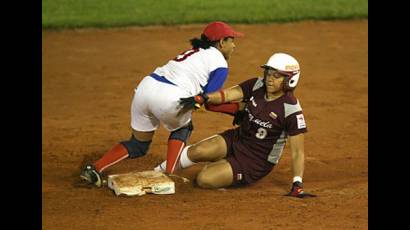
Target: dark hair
[203,42]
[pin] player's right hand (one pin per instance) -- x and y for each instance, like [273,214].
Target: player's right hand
[188,103]
[297,191]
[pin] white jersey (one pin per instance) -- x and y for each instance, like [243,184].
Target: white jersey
[156,98]
[192,70]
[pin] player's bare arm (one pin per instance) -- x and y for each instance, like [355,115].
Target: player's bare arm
[219,97]
[298,155]
[232,94]
[298,162]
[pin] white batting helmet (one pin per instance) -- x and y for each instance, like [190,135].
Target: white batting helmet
[286,65]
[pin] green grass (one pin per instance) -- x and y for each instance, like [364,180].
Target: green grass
[58,14]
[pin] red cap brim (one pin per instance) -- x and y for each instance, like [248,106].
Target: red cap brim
[237,34]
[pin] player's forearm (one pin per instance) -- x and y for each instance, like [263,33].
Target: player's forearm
[298,163]
[225,95]
[298,156]
[215,98]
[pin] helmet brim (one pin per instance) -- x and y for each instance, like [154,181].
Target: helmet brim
[286,73]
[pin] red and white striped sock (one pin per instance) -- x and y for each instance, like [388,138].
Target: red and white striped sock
[184,161]
[173,154]
[115,155]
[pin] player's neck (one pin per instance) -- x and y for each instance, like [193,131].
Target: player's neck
[273,96]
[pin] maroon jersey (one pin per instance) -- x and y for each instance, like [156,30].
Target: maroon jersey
[265,127]
[257,145]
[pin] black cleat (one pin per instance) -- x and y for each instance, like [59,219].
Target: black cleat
[90,174]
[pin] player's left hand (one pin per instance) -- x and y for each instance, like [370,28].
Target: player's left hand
[194,102]
[238,117]
[297,191]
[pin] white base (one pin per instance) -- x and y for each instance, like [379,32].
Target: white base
[141,183]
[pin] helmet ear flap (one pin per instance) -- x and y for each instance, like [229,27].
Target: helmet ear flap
[292,82]
[288,84]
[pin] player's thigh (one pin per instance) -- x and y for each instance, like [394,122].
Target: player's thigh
[210,149]
[215,175]
[165,106]
[142,119]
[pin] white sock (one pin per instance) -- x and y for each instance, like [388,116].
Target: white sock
[161,167]
[184,159]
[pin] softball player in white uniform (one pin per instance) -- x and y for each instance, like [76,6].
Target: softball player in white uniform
[156,97]
[202,69]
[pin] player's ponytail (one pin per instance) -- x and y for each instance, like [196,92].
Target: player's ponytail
[203,42]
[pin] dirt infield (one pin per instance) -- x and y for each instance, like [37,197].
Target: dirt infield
[88,81]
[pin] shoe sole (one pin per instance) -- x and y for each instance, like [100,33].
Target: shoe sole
[97,183]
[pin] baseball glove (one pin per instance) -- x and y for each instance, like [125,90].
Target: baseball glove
[188,103]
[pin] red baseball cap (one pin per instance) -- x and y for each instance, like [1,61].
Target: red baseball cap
[218,30]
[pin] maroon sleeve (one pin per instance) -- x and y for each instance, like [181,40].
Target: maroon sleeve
[247,87]
[295,124]
[228,108]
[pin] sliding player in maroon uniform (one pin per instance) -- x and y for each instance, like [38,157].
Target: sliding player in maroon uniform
[271,115]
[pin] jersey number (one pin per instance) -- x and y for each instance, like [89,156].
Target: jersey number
[185,54]
[261,133]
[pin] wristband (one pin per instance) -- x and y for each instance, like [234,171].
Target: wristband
[200,99]
[297,178]
[222,96]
